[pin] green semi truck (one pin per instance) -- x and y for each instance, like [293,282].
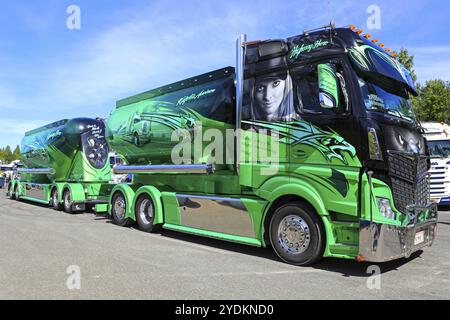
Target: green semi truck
[66,165]
[309,146]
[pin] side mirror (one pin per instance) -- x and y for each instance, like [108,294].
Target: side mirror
[328,86]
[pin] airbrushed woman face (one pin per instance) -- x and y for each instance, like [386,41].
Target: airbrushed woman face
[269,94]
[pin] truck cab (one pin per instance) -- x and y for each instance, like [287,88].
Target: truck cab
[438,142]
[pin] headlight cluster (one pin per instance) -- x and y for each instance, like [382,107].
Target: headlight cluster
[384,207]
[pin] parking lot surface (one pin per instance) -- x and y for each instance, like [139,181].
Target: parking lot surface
[43,251]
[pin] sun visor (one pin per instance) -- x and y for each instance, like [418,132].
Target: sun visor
[381,68]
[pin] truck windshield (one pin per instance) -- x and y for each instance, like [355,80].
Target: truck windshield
[379,100]
[439,149]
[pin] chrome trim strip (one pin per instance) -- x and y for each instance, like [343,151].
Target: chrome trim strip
[49,171]
[182,168]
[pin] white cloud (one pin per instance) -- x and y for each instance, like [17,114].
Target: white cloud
[12,130]
[140,55]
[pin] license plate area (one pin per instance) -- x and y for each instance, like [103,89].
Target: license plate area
[419,238]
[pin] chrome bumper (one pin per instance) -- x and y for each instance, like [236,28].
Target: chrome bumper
[382,242]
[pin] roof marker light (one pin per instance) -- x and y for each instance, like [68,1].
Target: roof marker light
[374,40]
[381,45]
[360,31]
[367,36]
[388,50]
[352,27]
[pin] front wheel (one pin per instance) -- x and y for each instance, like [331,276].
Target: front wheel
[296,234]
[145,214]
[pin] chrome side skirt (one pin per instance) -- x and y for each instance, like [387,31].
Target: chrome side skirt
[224,215]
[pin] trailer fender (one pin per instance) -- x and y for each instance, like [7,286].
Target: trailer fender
[76,190]
[129,194]
[155,194]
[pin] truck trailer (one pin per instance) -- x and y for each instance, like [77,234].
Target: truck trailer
[66,166]
[438,142]
[308,145]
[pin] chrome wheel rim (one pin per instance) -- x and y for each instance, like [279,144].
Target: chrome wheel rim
[294,235]
[119,207]
[67,200]
[55,199]
[146,211]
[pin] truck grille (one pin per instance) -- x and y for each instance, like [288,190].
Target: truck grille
[409,177]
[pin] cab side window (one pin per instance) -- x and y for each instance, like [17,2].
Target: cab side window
[320,89]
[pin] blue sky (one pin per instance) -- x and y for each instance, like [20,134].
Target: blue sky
[48,72]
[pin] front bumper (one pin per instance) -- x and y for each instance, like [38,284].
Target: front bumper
[382,242]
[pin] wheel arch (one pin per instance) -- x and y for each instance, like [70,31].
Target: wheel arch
[76,191]
[293,190]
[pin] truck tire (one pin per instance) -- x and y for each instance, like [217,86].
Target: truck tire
[296,234]
[145,211]
[15,194]
[9,193]
[118,210]
[67,201]
[54,203]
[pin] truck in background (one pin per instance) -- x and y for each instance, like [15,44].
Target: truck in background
[350,178]
[66,165]
[438,141]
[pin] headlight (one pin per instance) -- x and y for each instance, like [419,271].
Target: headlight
[384,207]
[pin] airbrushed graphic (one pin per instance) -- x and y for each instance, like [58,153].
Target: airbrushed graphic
[75,149]
[328,143]
[137,129]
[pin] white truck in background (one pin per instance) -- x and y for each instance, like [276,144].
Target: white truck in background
[438,141]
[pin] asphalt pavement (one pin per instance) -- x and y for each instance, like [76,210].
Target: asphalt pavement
[47,254]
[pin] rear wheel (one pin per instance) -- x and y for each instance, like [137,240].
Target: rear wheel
[67,201]
[15,195]
[9,191]
[296,234]
[119,209]
[54,202]
[145,213]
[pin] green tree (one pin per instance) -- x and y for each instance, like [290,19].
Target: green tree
[8,155]
[408,61]
[434,101]
[16,153]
